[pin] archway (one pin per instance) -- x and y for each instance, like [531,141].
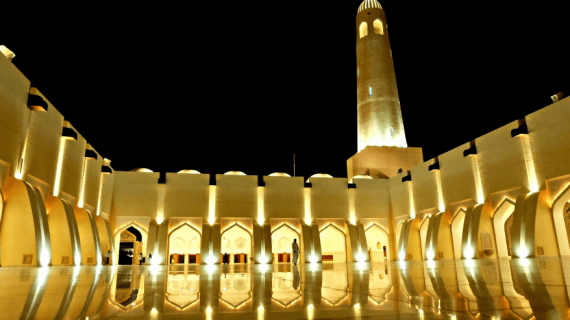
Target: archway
[457,232]
[184,245]
[377,239]
[236,242]
[128,247]
[423,235]
[333,244]
[282,240]
[502,222]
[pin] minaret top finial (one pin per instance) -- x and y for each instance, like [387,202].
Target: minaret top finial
[367,4]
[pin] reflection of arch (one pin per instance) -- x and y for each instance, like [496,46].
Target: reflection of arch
[182,289]
[376,234]
[333,243]
[236,289]
[184,240]
[363,30]
[457,231]
[423,234]
[502,214]
[559,223]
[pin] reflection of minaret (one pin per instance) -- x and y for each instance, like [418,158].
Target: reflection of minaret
[379,115]
[382,146]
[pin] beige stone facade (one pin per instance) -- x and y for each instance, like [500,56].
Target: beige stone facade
[63,204]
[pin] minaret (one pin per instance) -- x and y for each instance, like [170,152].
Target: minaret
[379,115]
[382,148]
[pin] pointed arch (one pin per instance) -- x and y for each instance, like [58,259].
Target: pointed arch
[332,244]
[502,214]
[144,234]
[180,247]
[228,243]
[378,27]
[363,30]
[282,239]
[377,238]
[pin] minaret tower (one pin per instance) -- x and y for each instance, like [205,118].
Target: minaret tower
[382,146]
[379,115]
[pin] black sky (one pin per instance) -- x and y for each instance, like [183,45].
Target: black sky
[242,86]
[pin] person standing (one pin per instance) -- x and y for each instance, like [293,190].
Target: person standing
[295,251]
[150,258]
[140,259]
[108,255]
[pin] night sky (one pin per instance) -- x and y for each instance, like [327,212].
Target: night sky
[243,86]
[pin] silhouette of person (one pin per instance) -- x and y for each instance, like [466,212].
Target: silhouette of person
[295,251]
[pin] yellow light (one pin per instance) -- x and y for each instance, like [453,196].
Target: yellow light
[160,204]
[212,216]
[402,255]
[477,177]
[308,219]
[469,253]
[522,252]
[529,162]
[430,254]
[411,195]
[260,205]
[439,191]
[57,182]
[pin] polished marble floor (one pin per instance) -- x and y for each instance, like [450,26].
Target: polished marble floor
[445,289]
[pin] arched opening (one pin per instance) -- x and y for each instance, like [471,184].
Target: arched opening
[335,285]
[378,27]
[457,232]
[184,245]
[236,242]
[377,240]
[333,244]
[130,242]
[502,222]
[282,243]
[129,247]
[363,30]
[423,235]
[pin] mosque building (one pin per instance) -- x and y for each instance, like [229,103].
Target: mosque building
[504,194]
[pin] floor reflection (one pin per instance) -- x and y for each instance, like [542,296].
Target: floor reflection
[446,289]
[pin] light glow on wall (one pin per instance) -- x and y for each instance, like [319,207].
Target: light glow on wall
[212,213]
[80,202]
[411,196]
[160,203]
[56,184]
[529,162]
[439,191]
[477,177]
[100,194]
[352,206]
[308,219]
[430,254]
[469,252]
[260,205]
